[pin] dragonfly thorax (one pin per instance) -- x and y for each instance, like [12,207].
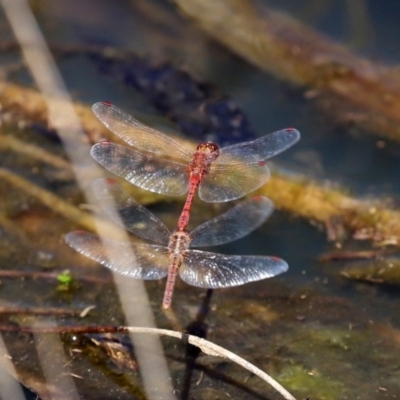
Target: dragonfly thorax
[179,242]
[205,154]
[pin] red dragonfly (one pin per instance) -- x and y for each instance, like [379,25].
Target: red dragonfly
[174,252]
[160,164]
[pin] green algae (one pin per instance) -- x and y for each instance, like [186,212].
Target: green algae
[310,383]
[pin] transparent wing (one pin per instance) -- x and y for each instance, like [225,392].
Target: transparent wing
[226,182]
[234,224]
[138,135]
[150,173]
[259,149]
[212,270]
[134,217]
[151,261]
[240,168]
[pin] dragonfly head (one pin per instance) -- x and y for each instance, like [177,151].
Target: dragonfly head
[208,148]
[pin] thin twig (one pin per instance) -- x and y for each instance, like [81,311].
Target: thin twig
[204,345]
[52,201]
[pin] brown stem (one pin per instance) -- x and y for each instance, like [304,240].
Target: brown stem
[34,152]
[280,45]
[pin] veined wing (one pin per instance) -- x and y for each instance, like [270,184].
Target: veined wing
[151,173]
[226,182]
[138,135]
[259,149]
[212,270]
[234,224]
[150,261]
[134,217]
[240,168]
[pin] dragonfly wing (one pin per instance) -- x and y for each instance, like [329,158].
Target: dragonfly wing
[232,181]
[149,261]
[240,168]
[259,149]
[212,270]
[234,224]
[144,170]
[134,217]
[138,135]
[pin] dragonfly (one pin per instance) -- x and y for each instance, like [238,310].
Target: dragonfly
[157,163]
[173,252]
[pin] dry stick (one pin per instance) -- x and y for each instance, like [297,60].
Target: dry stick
[50,200]
[58,205]
[280,45]
[9,142]
[204,345]
[30,104]
[213,349]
